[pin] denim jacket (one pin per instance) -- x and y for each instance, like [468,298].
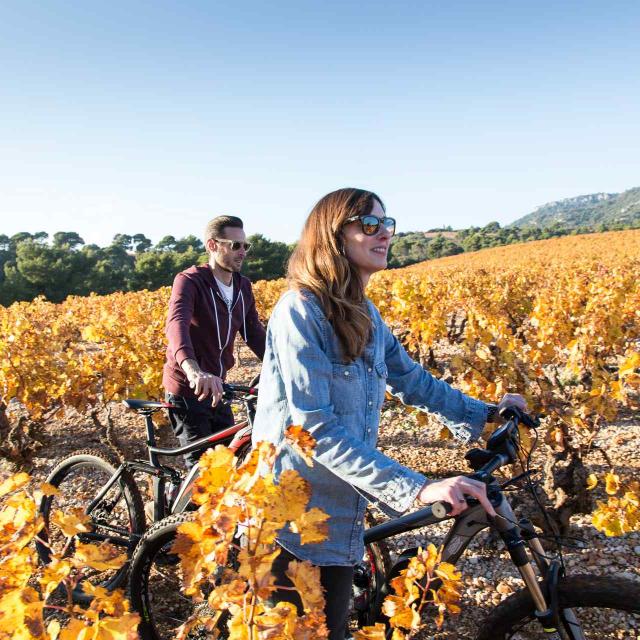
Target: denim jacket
[305,382]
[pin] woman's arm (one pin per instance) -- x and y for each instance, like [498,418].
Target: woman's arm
[466,417]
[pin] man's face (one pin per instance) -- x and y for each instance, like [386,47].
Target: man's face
[223,254]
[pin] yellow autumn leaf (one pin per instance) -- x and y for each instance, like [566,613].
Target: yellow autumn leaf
[77,629]
[256,567]
[629,365]
[612,483]
[445,434]
[73,522]
[399,614]
[447,571]
[312,526]
[53,630]
[311,626]
[592,481]
[91,334]
[47,489]
[14,482]
[21,614]
[375,632]
[302,442]
[224,595]
[123,627]
[17,568]
[53,574]
[238,627]
[306,579]
[102,557]
[295,492]
[216,466]
[277,622]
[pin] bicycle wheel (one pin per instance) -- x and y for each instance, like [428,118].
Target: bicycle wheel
[155,585]
[606,607]
[117,518]
[369,580]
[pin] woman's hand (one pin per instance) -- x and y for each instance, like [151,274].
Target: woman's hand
[513,400]
[453,490]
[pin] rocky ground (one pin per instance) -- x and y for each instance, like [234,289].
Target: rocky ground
[489,575]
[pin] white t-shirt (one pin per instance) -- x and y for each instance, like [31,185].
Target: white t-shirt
[226,291]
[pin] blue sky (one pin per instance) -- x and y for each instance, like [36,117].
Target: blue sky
[152,117]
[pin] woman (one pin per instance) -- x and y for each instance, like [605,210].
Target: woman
[329,358]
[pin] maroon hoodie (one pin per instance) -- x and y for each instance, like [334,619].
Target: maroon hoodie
[201,326]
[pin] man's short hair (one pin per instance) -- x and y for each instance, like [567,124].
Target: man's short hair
[215,228]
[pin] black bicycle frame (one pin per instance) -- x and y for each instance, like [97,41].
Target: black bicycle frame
[234,437]
[464,528]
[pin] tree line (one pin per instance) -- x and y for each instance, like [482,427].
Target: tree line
[416,246]
[34,264]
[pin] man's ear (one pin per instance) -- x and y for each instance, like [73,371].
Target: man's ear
[212,245]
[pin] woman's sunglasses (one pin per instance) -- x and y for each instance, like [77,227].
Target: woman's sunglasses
[235,244]
[371,224]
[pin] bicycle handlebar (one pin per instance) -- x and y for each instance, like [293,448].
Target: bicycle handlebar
[501,445]
[234,389]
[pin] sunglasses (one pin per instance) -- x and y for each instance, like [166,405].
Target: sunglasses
[235,244]
[371,224]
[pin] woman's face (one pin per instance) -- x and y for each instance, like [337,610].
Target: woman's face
[367,253]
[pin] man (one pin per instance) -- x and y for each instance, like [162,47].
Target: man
[209,304]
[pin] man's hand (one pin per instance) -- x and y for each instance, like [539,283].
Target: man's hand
[204,384]
[453,490]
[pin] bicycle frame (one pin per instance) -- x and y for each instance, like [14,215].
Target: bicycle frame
[236,437]
[517,536]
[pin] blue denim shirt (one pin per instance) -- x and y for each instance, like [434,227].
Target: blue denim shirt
[305,382]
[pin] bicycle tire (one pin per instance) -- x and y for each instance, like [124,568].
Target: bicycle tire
[160,616]
[119,517]
[575,592]
[378,558]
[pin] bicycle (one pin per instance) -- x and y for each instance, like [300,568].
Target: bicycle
[552,605]
[105,490]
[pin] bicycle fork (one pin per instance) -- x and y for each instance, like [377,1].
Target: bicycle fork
[517,537]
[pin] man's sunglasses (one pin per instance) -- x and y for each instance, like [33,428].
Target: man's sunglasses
[235,244]
[371,224]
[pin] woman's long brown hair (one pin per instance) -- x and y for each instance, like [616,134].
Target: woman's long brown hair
[319,265]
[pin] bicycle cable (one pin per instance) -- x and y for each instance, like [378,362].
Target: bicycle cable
[532,490]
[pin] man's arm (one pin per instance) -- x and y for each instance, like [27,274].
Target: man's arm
[179,316]
[181,305]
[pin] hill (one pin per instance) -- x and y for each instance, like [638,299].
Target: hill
[586,211]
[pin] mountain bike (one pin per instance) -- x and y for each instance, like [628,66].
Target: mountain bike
[94,483]
[552,605]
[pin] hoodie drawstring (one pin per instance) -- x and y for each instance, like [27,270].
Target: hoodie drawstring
[244,317]
[215,310]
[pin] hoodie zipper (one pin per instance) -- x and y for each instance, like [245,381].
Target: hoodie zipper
[229,310]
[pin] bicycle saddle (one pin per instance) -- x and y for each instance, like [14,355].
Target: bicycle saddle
[148,405]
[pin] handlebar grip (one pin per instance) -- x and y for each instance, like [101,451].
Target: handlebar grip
[238,388]
[512,412]
[441,509]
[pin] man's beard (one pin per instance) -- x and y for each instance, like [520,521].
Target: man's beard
[230,269]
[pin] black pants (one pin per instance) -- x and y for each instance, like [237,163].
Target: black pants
[336,582]
[199,420]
